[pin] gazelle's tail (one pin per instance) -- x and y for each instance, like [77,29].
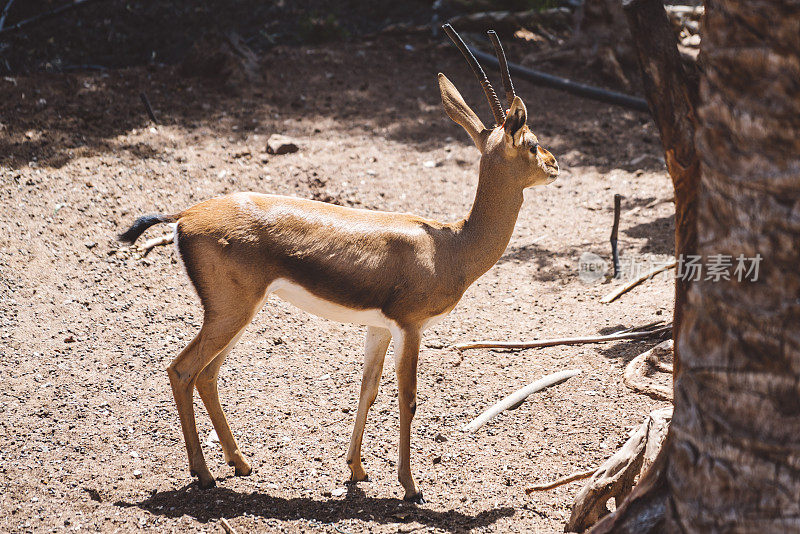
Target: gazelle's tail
[143,223]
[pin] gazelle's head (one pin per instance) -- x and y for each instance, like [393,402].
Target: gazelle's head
[510,149]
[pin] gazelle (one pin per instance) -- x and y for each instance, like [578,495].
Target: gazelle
[396,273]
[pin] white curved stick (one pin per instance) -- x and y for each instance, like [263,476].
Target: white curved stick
[516,398]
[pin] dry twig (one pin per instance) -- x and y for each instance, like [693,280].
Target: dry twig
[633,283]
[625,334]
[227,526]
[4,14]
[150,244]
[514,400]
[47,15]
[148,108]
[580,475]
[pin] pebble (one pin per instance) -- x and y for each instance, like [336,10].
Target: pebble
[281,144]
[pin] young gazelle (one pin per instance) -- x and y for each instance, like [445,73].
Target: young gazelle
[396,273]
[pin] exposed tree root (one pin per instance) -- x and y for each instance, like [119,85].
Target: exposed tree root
[638,373]
[615,478]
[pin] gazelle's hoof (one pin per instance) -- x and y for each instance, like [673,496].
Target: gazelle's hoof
[206,484]
[417,498]
[243,471]
[203,482]
[359,476]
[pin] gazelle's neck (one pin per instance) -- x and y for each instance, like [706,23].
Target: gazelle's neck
[486,231]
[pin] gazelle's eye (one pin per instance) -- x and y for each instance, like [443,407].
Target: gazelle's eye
[534,147]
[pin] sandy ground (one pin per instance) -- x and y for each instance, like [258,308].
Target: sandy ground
[89,435]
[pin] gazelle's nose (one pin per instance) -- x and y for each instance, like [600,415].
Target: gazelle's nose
[550,163]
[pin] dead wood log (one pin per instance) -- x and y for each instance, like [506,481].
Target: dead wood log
[616,476]
[513,401]
[638,372]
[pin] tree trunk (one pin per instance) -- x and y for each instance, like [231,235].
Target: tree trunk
[731,461]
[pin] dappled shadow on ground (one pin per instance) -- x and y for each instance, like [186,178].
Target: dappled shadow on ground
[219,502]
[50,119]
[660,235]
[625,351]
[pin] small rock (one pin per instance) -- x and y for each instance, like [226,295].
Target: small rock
[439,438]
[90,244]
[429,164]
[134,454]
[326,493]
[212,439]
[437,459]
[338,492]
[137,474]
[69,339]
[280,144]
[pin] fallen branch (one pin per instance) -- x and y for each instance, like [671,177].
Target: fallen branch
[150,244]
[47,15]
[580,475]
[148,108]
[614,235]
[637,372]
[514,400]
[227,526]
[611,297]
[4,14]
[562,341]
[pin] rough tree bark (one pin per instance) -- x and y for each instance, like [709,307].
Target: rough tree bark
[672,94]
[731,461]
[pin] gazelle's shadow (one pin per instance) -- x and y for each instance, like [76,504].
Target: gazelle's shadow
[219,502]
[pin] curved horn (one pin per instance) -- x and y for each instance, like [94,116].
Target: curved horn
[501,58]
[491,96]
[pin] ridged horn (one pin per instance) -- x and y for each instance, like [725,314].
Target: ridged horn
[501,58]
[491,96]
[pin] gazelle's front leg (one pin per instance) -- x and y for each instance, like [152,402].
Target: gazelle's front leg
[406,355]
[374,353]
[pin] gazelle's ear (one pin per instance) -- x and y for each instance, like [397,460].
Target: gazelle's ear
[460,112]
[515,120]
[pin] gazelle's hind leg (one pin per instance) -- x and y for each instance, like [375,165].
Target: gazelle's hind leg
[226,315]
[374,353]
[207,387]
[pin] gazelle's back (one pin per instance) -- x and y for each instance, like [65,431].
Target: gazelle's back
[354,258]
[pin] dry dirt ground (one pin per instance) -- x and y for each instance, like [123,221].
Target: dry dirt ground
[89,435]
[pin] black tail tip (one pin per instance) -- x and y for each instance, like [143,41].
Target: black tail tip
[138,228]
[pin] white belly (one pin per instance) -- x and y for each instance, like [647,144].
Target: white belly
[305,300]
